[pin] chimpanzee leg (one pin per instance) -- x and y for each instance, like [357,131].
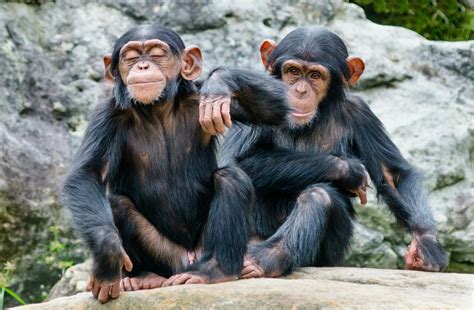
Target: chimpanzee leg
[300,239]
[154,257]
[339,231]
[225,236]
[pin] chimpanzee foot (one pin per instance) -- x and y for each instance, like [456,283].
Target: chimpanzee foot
[251,269]
[267,260]
[145,281]
[208,273]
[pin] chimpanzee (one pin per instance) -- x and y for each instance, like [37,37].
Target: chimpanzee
[145,191]
[302,219]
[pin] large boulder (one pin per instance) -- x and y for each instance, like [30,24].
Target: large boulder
[51,60]
[315,288]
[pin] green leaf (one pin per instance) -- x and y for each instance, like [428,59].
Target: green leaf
[2,296]
[14,295]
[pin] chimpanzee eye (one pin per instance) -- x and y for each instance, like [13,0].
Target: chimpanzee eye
[157,57]
[316,75]
[294,71]
[131,60]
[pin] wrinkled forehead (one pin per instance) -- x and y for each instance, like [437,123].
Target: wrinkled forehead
[144,46]
[304,65]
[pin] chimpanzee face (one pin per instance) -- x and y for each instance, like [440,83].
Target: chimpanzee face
[149,64]
[315,64]
[146,67]
[309,83]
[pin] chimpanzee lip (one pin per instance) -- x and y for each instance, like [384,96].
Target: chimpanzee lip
[144,82]
[301,114]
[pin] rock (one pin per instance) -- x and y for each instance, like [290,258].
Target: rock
[51,81]
[73,281]
[328,288]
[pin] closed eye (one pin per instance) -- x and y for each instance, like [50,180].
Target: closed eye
[131,59]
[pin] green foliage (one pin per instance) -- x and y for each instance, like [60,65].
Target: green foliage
[447,20]
[40,250]
[4,279]
[59,249]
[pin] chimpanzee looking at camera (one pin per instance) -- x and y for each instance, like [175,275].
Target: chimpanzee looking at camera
[300,218]
[145,191]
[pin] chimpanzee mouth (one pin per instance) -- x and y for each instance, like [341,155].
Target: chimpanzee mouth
[301,114]
[139,82]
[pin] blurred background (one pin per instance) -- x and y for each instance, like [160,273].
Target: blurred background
[420,82]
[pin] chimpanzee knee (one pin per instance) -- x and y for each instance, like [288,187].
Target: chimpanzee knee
[314,196]
[339,231]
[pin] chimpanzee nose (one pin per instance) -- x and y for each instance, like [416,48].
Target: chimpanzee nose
[301,89]
[143,65]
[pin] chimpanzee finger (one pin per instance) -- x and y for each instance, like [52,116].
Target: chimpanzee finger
[127,286]
[182,279]
[246,270]
[195,280]
[225,109]
[135,285]
[115,290]
[95,289]
[208,123]
[202,110]
[104,293]
[362,195]
[127,262]
[250,275]
[217,117]
[90,284]
[170,280]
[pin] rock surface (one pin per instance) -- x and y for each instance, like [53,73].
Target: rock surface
[51,79]
[328,288]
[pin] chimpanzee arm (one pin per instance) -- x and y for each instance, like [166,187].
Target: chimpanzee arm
[84,195]
[288,171]
[257,98]
[396,181]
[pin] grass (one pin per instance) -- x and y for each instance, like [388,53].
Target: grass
[445,20]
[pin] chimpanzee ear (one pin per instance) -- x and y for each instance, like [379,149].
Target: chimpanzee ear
[266,48]
[192,63]
[108,75]
[356,68]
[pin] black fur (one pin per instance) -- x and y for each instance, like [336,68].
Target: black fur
[166,171]
[283,162]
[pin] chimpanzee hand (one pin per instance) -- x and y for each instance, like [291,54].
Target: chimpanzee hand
[353,177]
[214,108]
[103,289]
[214,113]
[425,253]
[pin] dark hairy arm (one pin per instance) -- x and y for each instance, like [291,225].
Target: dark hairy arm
[288,171]
[243,96]
[84,196]
[396,181]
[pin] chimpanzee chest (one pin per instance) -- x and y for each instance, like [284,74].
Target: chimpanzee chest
[168,177]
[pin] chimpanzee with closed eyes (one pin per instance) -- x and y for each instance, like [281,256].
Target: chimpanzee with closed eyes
[300,218]
[145,191]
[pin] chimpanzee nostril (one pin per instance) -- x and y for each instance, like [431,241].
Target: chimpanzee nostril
[143,65]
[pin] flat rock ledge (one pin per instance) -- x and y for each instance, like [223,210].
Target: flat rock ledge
[314,288]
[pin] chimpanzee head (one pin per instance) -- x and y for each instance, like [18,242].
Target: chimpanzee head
[149,65]
[314,62]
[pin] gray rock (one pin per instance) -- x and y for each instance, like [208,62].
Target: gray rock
[313,288]
[72,282]
[51,60]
